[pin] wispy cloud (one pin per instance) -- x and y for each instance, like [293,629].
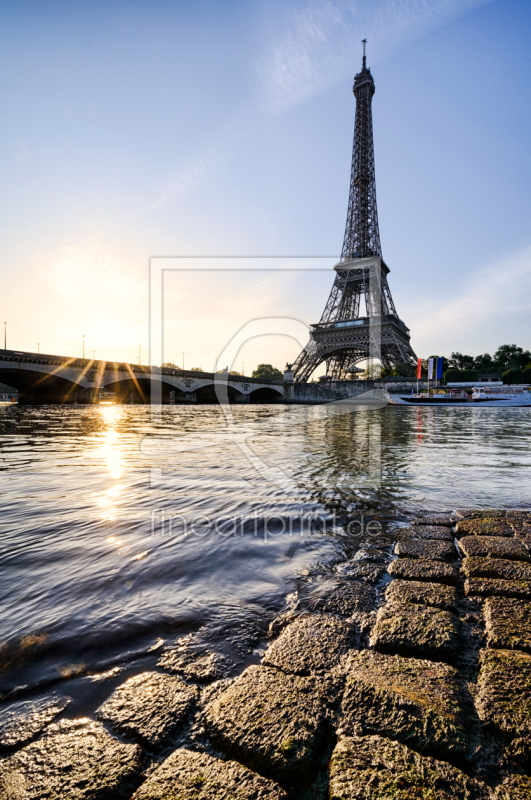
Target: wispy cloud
[321,42]
[494,305]
[181,180]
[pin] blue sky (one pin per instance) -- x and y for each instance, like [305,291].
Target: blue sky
[133,130]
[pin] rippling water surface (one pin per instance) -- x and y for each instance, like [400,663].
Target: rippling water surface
[124,530]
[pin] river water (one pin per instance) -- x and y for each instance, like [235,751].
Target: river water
[126,528]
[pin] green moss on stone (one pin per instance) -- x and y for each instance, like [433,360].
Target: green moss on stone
[499,568]
[416,630]
[504,697]
[508,623]
[423,569]
[485,526]
[374,768]
[420,703]
[493,547]
[186,775]
[436,595]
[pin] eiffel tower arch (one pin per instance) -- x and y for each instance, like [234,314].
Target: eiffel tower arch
[360,321]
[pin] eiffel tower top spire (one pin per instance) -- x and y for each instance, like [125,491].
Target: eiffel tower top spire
[362,235]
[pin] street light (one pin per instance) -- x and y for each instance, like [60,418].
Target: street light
[5,335]
[183,359]
[139,353]
[38,347]
[83,345]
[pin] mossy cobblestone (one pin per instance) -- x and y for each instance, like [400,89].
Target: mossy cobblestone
[375,768]
[187,775]
[426,548]
[508,623]
[419,703]
[424,569]
[416,630]
[436,595]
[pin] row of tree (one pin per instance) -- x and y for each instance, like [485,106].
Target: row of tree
[509,360]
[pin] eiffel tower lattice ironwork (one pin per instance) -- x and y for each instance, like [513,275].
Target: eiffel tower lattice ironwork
[360,321]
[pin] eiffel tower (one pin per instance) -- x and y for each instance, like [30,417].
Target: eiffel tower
[360,321]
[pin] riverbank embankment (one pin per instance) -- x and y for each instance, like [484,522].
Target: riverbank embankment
[411,678]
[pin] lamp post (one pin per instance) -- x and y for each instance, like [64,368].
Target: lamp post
[139,353]
[38,347]
[5,335]
[183,359]
[83,345]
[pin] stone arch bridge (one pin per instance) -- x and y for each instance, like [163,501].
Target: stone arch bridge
[43,378]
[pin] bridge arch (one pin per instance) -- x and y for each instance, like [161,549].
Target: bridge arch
[266,394]
[138,386]
[216,392]
[39,387]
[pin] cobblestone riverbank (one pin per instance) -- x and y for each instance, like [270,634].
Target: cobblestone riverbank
[411,678]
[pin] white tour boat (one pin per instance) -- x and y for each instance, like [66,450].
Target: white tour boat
[484,396]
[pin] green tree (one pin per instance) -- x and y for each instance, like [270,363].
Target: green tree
[513,375]
[484,364]
[460,375]
[169,365]
[508,356]
[460,361]
[373,372]
[267,372]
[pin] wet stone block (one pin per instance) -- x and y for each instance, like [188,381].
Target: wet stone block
[436,595]
[423,569]
[508,624]
[187,775]
[360,571]
[150,708]
[515,787]
[475,513]
[22,721]
[493,547]
[447,522]
[427,548]
[427,532]
[504,698]
[275,724]
[74,760]
[374,768]
[496,568]
[419,703]
[343,599]
[311,644]
[486,526]
[417,631]
[495,587]
[199,669]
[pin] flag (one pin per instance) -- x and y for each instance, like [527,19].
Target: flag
[439,369]
[430,369]
[419,369]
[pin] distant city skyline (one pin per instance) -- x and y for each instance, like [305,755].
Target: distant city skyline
[134,130]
